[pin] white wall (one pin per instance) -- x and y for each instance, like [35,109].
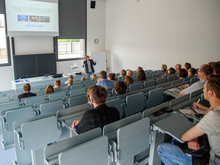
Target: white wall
[96,26]
[149,33]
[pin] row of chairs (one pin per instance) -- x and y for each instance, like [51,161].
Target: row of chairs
[127,137]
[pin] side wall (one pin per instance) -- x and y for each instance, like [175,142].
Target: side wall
[151,33]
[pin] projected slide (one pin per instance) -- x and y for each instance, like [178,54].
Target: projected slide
[32,16]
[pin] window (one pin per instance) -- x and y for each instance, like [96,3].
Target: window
[4,53]
[71,48]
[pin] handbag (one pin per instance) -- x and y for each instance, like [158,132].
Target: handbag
[200,156]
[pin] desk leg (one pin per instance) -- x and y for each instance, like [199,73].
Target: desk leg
[158,138]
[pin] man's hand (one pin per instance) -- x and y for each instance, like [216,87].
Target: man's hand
[194,144]
[75,123]
[199,106]
[184,86]
[84,64]
[99,79]
[95,61]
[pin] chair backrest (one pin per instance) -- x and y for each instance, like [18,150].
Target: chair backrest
[123,96]
[196,93]
[204,102]
[187,78]
[9,105]
[90,84]
[55,96]
[46,130]
[58,89]
[82,153]
[149,83]
[133,139]
[179,100]
[51,107]
[146,90]
[77,101]
[77,92]
[176,81]
[110,130]
[74,87]
[160,80]
[4,99]
[155,97]
[193,80]
[134,104]
[32,100]
[4,93]
[171,78]
[163,85]
[135,87]
[150,111]
[54,149]
[117,104]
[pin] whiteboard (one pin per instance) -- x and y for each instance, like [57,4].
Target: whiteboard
[100,58]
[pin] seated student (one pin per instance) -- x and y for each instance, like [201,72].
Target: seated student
[187,66]
[129,72]
[203,72]
[178,67]
[182,73]
[49,89]
[139,68]
[70,82]
[83,78]
[164,67]
[216,68]
[57,83]
[101,115]
[170,71]
[111,77]
[191,72]
[209,124]
[27,93]
[69,77]
[103,81]
[120,87]
[141,75]
[93,76]
[128,80]
[122,73]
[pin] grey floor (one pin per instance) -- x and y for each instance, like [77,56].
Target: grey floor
[6,157]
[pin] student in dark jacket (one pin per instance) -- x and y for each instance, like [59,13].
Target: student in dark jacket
[101,115]
[27,93]
[88,64]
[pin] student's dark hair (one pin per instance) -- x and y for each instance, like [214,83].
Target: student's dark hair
[187,65]
[183,73]
[213,83]
[111,76]
[141,75]
[216,67]
[128,80]
[27,87]
[102,74]
[57,82]
[98,93]
[193,71]
[120,87]
[172,70]
[49,89]
[70,76]
[123,72]
[207,69]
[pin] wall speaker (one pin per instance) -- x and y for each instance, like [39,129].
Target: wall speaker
[92,5]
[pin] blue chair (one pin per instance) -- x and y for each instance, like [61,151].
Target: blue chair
[155,97]
[135,87]
[160,81]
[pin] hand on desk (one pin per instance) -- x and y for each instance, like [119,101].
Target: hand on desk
[184,86]
[199,106]
[75,123]
[194,144]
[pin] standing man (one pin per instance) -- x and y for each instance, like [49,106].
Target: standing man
[88,64]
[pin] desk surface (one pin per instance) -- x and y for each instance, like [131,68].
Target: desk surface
[174,92]
[175,125]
